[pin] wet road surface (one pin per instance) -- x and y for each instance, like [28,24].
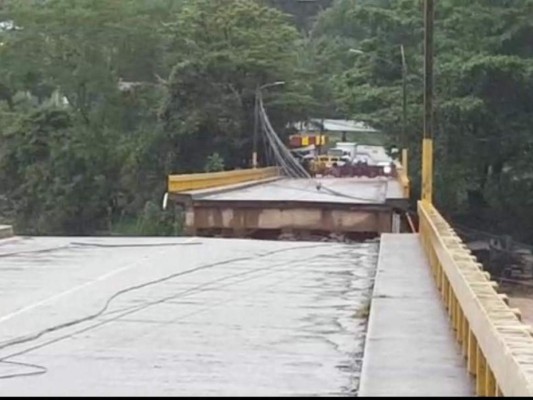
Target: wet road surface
[334,190]
[182,316]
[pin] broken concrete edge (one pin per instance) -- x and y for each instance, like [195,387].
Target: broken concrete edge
[198,194]
[6,231]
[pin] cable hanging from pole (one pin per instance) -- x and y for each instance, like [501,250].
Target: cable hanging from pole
[282,156]
[288,164]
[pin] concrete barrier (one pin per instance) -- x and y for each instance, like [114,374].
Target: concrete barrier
[498,347]
[6,231]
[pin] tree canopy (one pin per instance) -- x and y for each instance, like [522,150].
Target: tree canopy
[100,100]
[484,95]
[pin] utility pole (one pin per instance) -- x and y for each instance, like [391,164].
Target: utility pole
[427,143]
[402,141]
[256,128]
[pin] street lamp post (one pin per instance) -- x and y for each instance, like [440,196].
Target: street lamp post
[256,118]
[401,141]
[404,102]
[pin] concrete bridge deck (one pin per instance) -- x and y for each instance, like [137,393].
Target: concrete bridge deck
[410,347]
[223,317]
[343,205]
[342,190]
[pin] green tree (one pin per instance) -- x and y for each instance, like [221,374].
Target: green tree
[214,163]
[100,100]
[58,177]
[99,64]
[483,100]
[222,52]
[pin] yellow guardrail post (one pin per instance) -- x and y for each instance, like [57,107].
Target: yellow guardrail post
[405,161]
[427,170]
[403,176]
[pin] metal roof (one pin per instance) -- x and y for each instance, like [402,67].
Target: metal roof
[333,125]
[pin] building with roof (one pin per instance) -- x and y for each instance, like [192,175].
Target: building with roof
[338,129]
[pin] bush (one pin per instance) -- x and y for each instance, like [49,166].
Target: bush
[214,163]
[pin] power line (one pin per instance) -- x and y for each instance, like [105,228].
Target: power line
[290,167]
[33,337]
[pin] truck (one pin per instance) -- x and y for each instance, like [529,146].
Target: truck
[349,149]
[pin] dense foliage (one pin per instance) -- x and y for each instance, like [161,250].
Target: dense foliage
[484,96]
[100,100]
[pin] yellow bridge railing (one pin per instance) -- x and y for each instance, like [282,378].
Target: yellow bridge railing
[403,176]
[497,345]
[183,183]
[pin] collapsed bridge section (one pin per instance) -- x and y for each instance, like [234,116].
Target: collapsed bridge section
[358,205]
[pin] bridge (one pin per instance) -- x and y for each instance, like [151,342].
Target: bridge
[356,299]
[415,315]
[259,202]
[220,313]
[453,334]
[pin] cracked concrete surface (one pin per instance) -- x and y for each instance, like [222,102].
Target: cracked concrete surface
[242,318]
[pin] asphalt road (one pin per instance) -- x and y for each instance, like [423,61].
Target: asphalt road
[182,316]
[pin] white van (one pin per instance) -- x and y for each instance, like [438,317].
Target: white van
[349,148]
